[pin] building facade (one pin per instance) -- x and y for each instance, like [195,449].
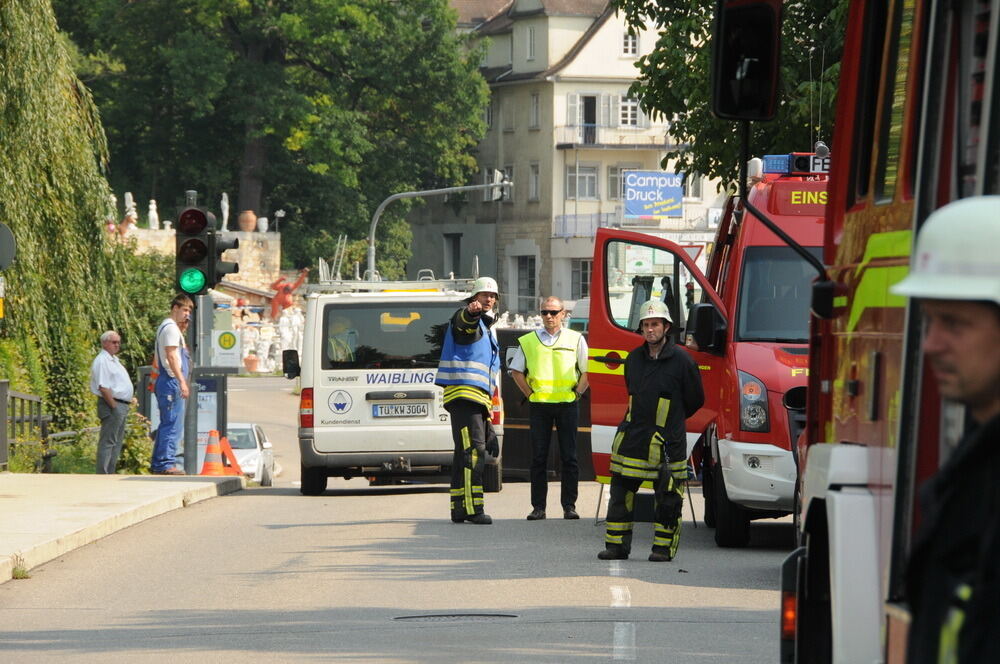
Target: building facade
[563,128]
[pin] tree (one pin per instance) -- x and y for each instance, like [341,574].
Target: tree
[68,282]
[320,107]
[674,81]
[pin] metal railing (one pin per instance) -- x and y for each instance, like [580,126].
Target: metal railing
[22,418]
[609,136]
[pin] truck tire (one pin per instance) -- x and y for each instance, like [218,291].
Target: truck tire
[732,524]
[493,477]
[313,481]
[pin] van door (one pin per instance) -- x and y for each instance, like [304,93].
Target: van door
[630,268]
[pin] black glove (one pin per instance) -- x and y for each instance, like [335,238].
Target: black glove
[492,443]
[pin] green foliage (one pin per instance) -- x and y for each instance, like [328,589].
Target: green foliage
[674,82]
[68,283]
[26,456]
[322,108]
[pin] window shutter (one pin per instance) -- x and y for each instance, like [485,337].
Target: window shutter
[616,111]
[572,109]
[607,119]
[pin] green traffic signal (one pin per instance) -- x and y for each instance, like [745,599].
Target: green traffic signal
[191,280]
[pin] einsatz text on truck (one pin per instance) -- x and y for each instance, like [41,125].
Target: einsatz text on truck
[747,331]
[369,407]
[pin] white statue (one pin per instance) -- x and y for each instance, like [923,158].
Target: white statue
[224,206]
[153,217]
[130,205]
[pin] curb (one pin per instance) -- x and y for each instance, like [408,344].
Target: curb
[62,544]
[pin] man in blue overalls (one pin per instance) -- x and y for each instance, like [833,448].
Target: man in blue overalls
[171,387]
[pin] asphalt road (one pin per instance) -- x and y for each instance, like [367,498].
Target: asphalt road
[380,574]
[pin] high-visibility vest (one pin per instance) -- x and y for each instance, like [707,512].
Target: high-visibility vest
[551,371]
[476,364]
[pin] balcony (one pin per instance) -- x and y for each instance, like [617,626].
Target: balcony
[601,137]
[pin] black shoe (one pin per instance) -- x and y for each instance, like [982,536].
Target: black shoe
[660,557]
[479,519]
[536,515]
[459,518]
[570,513]
[613,552]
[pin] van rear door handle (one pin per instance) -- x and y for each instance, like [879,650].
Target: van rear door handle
[607,359]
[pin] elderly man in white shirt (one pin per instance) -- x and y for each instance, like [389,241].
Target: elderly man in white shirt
[110,383]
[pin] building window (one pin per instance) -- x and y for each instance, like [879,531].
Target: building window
[581,182]
[508,115]
[488,179]
[508,192]
[525,283]
[628,113]
[534,183]
[452,253]
[534,111]
[488,115]
[692,186]
[630,44]
[510,49]
[531,43]
[580,286]
[614,183]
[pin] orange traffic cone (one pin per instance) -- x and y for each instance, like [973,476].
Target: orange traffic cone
[233,467]
[213,456]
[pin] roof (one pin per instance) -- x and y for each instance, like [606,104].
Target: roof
[473,13]
[592,8]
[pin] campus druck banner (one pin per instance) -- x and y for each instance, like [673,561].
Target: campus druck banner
[653,195]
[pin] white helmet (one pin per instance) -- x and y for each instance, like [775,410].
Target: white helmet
[956,256]
[485,285]
[654,309]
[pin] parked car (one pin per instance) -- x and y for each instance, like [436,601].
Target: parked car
[253,451]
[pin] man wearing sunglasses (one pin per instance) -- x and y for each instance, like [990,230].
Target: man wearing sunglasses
[550,368]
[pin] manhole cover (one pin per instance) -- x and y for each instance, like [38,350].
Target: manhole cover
[457,617]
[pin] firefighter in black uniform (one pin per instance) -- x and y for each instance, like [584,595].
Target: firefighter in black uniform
[664,388]
[953,575]
[469,371]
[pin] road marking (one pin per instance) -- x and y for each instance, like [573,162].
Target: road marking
[623,647]
[615,568]
[621,597]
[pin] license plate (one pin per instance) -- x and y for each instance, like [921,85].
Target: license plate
[399,410]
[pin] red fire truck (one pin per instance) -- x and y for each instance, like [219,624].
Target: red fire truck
[755,298]
[917,125]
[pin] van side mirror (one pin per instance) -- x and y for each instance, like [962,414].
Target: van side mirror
[746,45]
[706,327]
[290,363]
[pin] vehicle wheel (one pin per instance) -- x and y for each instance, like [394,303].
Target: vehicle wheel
[708,486]
[265,476]
[797,515]
[732,525]
[313,481]
[493,477]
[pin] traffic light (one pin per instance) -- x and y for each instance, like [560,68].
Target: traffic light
[218,268]
[193,237]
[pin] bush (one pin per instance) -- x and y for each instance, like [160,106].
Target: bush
[25,456]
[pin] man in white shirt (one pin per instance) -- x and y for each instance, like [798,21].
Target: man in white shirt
[550,368]
[171,387]
[110,383]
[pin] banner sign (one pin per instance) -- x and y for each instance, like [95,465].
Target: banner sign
[653,195]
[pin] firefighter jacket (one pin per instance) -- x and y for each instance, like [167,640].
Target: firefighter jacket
[662,393]
[470,359]
[953,577]
[552,370]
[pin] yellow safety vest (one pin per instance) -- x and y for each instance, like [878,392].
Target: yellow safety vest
[551,371]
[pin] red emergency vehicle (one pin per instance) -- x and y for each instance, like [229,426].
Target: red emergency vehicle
[917,125]
[754,307]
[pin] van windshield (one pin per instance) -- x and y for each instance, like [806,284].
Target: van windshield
[775,292]
[377,335]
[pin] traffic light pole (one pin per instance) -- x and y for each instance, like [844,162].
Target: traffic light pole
[191,403]
[497,184]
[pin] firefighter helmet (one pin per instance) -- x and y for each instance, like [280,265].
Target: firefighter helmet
[655,309]
[955,256]
[485,285]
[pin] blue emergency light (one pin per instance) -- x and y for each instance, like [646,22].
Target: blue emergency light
[801,163]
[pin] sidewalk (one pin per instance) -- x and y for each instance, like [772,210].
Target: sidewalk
[45,516]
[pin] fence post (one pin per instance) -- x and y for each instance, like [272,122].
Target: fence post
[4,426]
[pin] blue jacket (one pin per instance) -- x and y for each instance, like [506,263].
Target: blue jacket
[470,354]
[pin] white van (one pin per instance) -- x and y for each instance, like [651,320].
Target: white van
[369,406]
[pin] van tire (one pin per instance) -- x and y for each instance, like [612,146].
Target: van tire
[265,476]
[493,477]
[708,493]
[313,481]
[732,523]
